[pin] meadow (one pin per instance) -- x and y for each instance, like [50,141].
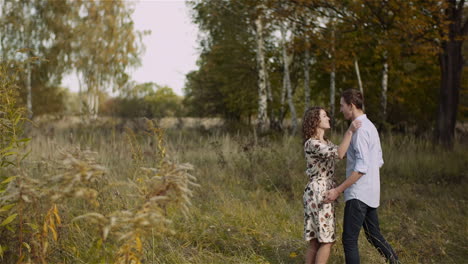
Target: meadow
[245,205]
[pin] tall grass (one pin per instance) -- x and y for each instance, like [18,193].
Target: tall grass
[248,208]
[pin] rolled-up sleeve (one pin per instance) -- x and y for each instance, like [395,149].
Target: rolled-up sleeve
[361,149]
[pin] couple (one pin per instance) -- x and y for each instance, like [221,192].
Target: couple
[361,187]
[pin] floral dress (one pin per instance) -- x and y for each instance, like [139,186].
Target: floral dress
[319,217]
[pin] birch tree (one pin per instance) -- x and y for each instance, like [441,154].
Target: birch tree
[358,77]
[384,87]
[106,45]
[287,59]
[41,31]
[262,73]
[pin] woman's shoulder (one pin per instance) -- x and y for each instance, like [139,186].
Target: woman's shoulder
[330,143]
[315,143]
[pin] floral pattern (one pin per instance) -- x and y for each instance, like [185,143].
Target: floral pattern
[319,217]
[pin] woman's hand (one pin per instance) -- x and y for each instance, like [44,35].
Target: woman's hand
[354,126]
[331,195]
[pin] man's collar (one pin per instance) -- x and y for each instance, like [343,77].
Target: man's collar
[361,117]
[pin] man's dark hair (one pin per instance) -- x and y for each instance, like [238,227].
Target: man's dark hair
[353,96]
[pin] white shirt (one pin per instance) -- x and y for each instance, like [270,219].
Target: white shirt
[364,155]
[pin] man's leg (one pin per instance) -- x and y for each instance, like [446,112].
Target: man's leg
[355,212]
[372,230]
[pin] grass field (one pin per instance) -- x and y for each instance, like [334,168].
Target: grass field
[248,205]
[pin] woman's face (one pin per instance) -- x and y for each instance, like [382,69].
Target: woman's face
[324,120]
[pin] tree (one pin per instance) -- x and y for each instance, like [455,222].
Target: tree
[453,31]
[105,46]
[262,75]
[226,83]
[96,38]
[40,30]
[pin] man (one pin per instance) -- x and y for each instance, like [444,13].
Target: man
[362,185]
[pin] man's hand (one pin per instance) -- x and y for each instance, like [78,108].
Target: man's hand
[331,196]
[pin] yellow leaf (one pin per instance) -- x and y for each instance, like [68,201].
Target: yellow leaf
[139,245]
[44,228]
[8,220]
[44,248]
[33,226]
[9,179]
[293,255]
[54,233]
[26,245]
[7,207]
[57,215]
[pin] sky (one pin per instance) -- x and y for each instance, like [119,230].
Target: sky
[171,48]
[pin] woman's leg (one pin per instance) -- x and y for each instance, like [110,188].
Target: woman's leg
[323,253]
[312,251]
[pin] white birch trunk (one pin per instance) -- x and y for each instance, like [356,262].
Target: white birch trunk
[29,89]
[80,92]
[358,75]
[383,96]
[262,90]
[270,100]
[96,96]
[287,81]
[89,102]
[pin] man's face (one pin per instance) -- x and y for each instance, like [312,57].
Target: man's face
[346,109]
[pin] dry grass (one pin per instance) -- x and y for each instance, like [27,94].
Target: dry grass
[248,207]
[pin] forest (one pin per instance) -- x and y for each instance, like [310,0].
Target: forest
[96,175]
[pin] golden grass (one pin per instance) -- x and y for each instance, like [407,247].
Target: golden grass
[248,207]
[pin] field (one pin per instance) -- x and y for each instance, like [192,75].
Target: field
[246,205]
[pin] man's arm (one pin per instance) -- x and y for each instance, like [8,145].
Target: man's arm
[361,150]
[333,194]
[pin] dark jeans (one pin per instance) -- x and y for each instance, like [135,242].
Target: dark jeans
[358,214]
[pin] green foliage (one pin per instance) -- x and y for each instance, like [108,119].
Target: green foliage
[146,100]
[96,39]
[226,81]
[405,34]
[11,118]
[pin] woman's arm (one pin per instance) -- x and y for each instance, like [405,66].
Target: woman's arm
[347,138]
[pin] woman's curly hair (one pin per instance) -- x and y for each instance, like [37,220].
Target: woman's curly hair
[311,121]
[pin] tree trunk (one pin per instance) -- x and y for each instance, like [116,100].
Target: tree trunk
[89,102]
[282,103]
[306,75]
[384,88]
[358,75]
[332,80]
[29,89]
[262,93]
[287,80]
[451,67]
[274,124]
[80,93]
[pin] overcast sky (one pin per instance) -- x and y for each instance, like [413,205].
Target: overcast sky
[171,48]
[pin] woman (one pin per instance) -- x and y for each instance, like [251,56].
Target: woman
[320,153]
